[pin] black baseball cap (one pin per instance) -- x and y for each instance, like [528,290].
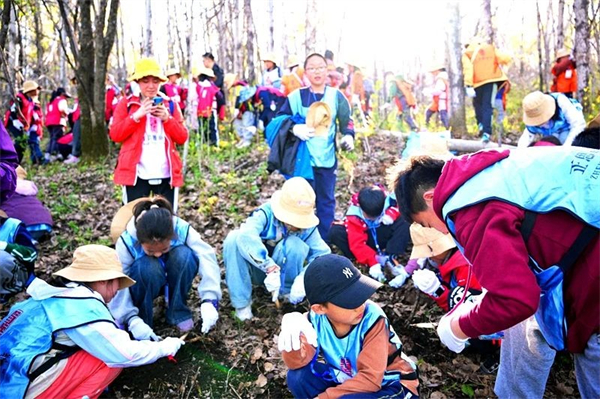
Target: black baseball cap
[333,278]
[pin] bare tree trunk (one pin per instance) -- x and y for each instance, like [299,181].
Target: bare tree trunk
[310,37]
[250,33]
[458,120]
[560,30]
[582,37]
[5,23]
[271,22]
[487,29]
[149,45]
[539,47]
[37,20]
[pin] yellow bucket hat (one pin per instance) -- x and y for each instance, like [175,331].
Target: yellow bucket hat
[95,263]
[147,67]
[294,204]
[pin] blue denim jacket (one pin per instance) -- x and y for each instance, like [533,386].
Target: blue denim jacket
[262,227]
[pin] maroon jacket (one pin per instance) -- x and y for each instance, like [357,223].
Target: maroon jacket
[491,237]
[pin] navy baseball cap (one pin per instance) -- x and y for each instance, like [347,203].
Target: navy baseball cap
[333,278]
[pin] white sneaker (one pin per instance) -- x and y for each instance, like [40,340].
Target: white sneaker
[243,144]
[52,158]
[71,159]
[244,313]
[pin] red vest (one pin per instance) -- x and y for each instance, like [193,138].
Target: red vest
[77,112]
[206,95]
[53,114]
[173,90]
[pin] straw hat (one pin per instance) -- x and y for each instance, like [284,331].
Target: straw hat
[270,57]
[95,263]
[29,85]
[319,118]
[294,204]
[147,67]
[21,173]
[172,71]
[206,71]
[538,108]
[123,216]
[292,61]
[428,242]
[563,52]
[229,79]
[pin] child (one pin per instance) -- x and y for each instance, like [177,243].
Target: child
[244,121]
[363,355]
[164,253]
[63,342]
[272,245]
[209,95]
[372,231]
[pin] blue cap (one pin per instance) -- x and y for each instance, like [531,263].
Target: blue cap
[333,278]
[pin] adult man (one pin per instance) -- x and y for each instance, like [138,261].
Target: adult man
[507,210]
[481,67]
[321,146]
[209,62]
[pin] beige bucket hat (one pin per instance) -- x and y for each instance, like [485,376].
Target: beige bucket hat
[29,85]
[538,108]
[428,242]
[206,71]
[123,216]
[563,52]
[318,117]
[294,204]
[95,263]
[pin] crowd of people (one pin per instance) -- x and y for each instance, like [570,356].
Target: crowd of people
[505,242]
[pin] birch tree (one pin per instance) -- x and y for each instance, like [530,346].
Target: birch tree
[582,37]
[148,45]
[487,29]
[310,35]
[560,20]
[541,75]
[458,120]
[249,28]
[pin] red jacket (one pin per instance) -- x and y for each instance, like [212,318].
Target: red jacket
[491,237]
[125,130]
[454,273]
[176,93]
[358,234]
[111,99]
[561,83]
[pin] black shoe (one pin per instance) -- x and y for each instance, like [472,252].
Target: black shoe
[490,365]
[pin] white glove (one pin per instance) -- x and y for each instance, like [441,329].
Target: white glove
[376,273]
[447,337]
[426,281]
[209,315]
[292,325]
[303,132]
[236,112]
[297,292]
[387,220]
[18,124]
[273,283]
[382,259]
[347,143]
[169,346]
[400,278]
[470,92]
[142,331]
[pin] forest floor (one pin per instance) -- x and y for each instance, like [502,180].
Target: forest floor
[241,360]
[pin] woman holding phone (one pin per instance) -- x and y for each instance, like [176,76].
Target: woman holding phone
[149,126]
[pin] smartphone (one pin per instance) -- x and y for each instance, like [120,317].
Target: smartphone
[157,100]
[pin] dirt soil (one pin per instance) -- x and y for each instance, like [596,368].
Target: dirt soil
[241,360]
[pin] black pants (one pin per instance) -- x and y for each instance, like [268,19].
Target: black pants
[143,188]
[392,239]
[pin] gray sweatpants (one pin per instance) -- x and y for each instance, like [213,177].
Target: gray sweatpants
[526,359]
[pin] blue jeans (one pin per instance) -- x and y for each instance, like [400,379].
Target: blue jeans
[208,129]
[56,132]
[241,274]
[76,139]
[36,155]
[324,186]
[303,383]
[483,103]
[181,267]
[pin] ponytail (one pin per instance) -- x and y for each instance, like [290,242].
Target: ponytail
[154,220]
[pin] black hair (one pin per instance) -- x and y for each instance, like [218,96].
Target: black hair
[202,77]
[313,55]
[208,54]
[421,174]
[371,200]
[58,92]
[548,139]
[329,55]
[154,220]
[588,138]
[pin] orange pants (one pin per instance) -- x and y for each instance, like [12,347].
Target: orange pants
[84,375]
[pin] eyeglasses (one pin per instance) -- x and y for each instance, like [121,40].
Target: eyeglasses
[316,69]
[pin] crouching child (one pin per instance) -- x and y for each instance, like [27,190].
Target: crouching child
[344,346]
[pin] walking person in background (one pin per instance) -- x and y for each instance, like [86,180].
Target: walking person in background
[19,117]
[441,95]
[564,74]
[57,111]
[209,62]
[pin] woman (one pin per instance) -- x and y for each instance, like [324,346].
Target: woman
[63,342]
[148,126]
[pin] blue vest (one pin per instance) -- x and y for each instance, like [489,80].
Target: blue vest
[321,149]
[355,210]
[273,225]
[10,228]
[341,354]
[28,331]
[540,180]
[181,228]
[559,121]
